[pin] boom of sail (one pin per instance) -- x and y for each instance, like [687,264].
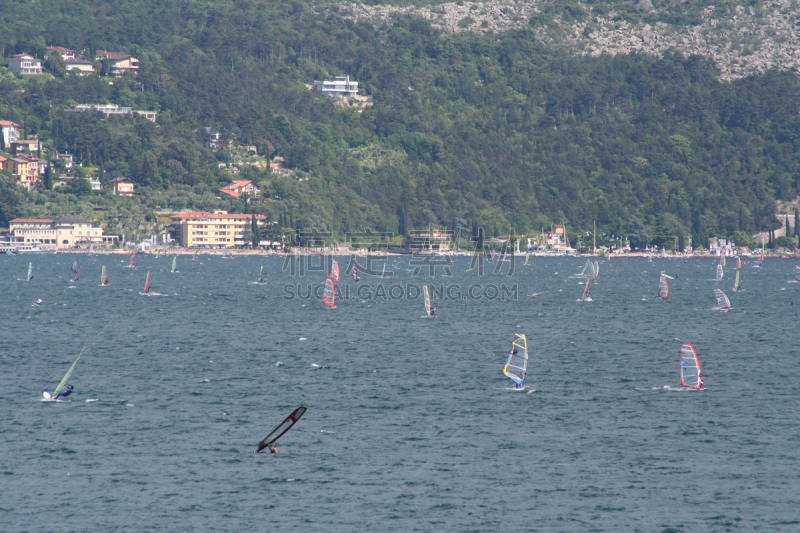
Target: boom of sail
[517,364]
[690,368]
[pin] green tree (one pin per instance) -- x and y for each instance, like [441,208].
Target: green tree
[55,64]
[256,232]
[12,199]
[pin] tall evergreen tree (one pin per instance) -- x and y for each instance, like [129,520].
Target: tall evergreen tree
[256,232]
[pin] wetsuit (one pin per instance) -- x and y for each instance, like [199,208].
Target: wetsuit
[66,392]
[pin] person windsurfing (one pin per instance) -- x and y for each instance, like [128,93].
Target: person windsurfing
[38,302]
[66,392]
[433,310]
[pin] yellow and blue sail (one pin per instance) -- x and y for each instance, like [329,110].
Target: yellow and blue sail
[517,365]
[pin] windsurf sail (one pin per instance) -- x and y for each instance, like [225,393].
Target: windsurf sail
[527,258]
[91,250]
[261,275]
[175,264]
[329,298]
[588,269]
[690,368]
[147,283]
[738,262]
[585,291]
[133,257]
[663,287]
[282,428]
[78,274]
[723,303]
[335,270]
[796,273]
[30,271]
[104,276]
[517,364]
[75,266]
[596,269]
[722,259]
[194,256]
[383,275]
[719,272]
[761,262]
[62,385]
[355,275]
[736,282]
[427,295]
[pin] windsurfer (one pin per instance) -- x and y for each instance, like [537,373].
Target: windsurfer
[38,302]
[67,392]
[433,310]
[699,379]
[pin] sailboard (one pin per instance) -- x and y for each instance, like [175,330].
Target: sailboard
[104,277]
[719,272]
[796,273]
[383,275]
[723,304]
[596,269]
[355,275]
[691,376]
[585,296]
[663,287]
[174,264]
[146,284]
[329,298]
[527,258]
[62,385]
[75,266]
[278,432]
[761,262]
[427,295]
[261,275]
[517,364]
[30,271]
[335,270]
[133,257]
[194,256]
[736,282]
[78,274]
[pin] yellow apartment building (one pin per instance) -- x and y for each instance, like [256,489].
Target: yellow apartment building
[218,228]
[61,233]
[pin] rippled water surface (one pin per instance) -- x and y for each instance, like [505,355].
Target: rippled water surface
[410,424]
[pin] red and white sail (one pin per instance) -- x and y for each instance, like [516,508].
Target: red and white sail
[663,287]
[335,270]
[691,376]
[133,257]
[329,298]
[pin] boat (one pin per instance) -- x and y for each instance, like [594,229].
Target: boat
[585,296]
[329,298]
[278,432]
[30,271]
[104,277]
[736,285]
[691,377]
[723,304]
[146,284]
[335,270]
[62,385]
[133,258]
[663,287]
[13,249]
[517,364]
[174,264]
[427,294]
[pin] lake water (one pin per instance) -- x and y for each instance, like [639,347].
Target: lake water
[411,424]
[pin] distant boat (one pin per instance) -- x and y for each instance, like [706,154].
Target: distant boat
[174,264]
[146,284]
[133,257]
[329,298]
[62,385]
[719,272]
[426,293]
[104,277]
[691,376]
[517,363]
[663,287]
[335,270]
[723,304]
[30,271]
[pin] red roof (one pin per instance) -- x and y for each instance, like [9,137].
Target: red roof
[205,214]
[232,189]
[8,123]
[30,220]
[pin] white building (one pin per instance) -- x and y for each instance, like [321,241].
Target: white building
[339,86]
[10,131]
[114,109]
[25,64]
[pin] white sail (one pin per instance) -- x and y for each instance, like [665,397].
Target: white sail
[175,264]
[30,271]
[517,364]
[596,269]
[736,284]
[329,298]
[691,376]
[335,270]
[663,287]
[723,304]
[427,295]
[527,258]
[104,276]
[719,272]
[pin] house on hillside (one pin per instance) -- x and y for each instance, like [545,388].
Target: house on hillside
[31,146]
[114,109]
[25,64]
[119,63]
[24,170]
[66,157]
[66,53]
[10,131]
[237,188]
[338,86]
[79,66]
[122,186]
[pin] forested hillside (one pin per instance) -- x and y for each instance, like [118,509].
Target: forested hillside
[494,129]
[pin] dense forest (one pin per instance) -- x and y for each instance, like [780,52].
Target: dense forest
[495,130]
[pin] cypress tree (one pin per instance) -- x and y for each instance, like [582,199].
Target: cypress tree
[256,232]
[796,222]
